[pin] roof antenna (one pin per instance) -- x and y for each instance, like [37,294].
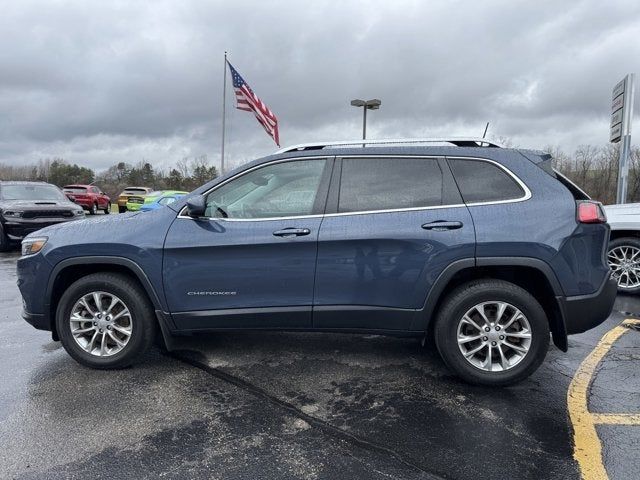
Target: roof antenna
[484,135]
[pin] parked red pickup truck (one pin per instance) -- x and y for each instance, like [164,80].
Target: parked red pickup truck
[89,197]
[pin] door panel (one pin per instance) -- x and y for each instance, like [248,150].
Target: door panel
[216,264]
[385,260]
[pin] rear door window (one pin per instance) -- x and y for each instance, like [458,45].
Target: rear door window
[482,181]
[370,184]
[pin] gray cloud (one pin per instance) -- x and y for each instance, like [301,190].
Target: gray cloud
[102,82]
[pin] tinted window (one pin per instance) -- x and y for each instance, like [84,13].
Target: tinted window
[31,192]
[481,181]
[389,183]
[279,190]
[72,189]
[134,191]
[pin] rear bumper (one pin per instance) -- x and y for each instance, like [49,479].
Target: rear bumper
[86,204]
[584,312]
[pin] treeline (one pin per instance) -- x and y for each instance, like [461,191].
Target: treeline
[187,174]
[594,169]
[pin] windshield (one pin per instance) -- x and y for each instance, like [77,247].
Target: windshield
[134,191]
[31,192]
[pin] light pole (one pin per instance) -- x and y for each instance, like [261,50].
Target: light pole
[366,105]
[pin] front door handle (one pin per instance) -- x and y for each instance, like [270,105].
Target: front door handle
[292,232]
[442,225]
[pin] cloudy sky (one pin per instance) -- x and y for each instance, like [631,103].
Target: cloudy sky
[98,82]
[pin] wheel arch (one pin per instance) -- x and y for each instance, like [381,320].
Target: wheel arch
[70,270]
[532,274]
[616,234]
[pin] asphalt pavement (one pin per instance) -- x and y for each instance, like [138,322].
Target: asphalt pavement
[285,405]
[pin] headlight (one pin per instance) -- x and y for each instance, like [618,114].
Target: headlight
[31,246]
[78,213]
[12,214]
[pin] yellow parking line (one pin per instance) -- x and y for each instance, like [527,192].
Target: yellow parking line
[616,418]
[588,449]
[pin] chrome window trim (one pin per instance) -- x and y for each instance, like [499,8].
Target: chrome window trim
[524,198]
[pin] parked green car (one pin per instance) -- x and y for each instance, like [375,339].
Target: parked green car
[134,202]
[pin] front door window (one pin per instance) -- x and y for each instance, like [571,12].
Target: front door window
[286,189]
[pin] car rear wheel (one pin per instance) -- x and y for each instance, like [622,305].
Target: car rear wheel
[624,259]
[121,209]
[107,210]
[93,209]
[492,332]
[105,321]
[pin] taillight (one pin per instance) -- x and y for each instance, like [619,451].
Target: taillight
[590,212]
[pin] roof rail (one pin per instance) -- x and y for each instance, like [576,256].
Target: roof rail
[457,141]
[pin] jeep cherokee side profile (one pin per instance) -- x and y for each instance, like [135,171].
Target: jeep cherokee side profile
[484,249]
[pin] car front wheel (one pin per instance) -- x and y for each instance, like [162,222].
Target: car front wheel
[4,241]
[105,321]
[624,259]
[492,332]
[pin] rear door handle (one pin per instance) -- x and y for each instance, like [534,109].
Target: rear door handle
[292,232]
[442,225]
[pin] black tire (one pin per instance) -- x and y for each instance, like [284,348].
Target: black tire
[5,243]
[143,332]
[93,209]
[473,293]
[632,243]
[107,210]
[122,209]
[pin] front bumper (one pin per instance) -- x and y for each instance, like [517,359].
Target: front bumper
[17,229]
[133,207]
[37,320]
[584,312]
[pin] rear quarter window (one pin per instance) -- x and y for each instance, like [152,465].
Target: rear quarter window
[482,181]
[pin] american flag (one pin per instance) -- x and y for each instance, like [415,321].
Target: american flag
[249,101]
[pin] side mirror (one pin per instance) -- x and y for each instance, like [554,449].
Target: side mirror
[71,197]
[196,206]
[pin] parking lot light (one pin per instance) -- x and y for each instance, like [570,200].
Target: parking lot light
[372,104]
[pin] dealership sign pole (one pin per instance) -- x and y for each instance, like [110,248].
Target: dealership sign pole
[621,116]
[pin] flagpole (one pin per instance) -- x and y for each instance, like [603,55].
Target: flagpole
[224,110]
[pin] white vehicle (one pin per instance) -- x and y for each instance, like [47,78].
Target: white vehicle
[624,247]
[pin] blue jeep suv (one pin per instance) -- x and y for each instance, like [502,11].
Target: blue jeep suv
[486,250]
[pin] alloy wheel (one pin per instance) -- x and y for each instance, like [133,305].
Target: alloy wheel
[101,324]
[494,336]
[625,263]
